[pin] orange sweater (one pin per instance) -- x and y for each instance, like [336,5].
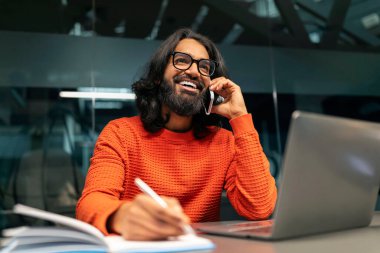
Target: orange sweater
[178,165]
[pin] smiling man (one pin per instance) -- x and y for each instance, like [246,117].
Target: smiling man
[182,153]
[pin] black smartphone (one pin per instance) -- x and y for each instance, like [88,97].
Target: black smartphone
[212,99]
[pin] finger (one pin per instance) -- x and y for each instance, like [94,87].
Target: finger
[167,215]
[173,214]
[223,84]
[176,209]
[217,83]
[159,225]
[213,83]
[137,232]
[139,222]
[150,230]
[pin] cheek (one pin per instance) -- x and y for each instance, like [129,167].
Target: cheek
[166,73]
[206,81]
[170,73]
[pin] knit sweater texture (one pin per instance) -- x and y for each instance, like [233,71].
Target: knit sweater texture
[195,171]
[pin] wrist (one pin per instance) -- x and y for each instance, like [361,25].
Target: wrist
[238,114]
[114,221]
[242,124]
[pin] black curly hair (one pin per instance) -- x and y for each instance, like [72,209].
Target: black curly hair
[147,87]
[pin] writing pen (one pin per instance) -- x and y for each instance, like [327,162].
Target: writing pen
[149,191]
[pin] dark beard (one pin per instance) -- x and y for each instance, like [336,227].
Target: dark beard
[183,104]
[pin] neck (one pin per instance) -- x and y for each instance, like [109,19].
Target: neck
[176,122]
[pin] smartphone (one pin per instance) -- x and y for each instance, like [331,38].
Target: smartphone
[212,99]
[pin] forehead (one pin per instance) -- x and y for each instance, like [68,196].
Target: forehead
[193,48]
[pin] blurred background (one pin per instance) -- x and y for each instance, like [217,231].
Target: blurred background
[66,69]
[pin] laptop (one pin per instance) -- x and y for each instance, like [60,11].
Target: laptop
[329,180]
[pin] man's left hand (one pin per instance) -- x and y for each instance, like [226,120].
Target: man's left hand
[233,105]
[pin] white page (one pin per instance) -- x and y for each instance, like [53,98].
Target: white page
[181,243]
[59,219]
[92,237]
[35,235]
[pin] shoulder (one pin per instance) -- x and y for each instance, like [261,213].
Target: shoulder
[123,126]
[133,122]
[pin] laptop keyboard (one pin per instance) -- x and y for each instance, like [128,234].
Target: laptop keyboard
[260,226]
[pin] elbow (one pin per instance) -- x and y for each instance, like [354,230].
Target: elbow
[267,207]
[271,204]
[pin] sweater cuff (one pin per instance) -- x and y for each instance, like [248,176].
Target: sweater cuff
[102,219]
[242,124]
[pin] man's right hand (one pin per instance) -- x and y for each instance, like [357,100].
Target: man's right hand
[144,219]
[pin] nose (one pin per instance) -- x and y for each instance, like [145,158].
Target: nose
[193,70]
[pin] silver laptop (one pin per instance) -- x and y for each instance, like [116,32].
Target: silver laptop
[330,180]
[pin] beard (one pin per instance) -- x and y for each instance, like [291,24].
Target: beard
[183,103]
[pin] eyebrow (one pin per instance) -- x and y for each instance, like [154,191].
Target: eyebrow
[192,56]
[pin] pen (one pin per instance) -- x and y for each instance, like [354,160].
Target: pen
[149,191]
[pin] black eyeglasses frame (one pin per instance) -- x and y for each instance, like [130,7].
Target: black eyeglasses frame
[192,61]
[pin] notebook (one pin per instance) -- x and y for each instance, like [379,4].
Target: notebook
[329,180]
[71,235]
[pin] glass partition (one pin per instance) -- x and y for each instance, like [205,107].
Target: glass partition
[318,56]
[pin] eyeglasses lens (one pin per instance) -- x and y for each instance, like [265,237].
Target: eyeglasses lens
[183,62]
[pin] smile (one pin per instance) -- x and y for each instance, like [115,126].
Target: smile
[188,84]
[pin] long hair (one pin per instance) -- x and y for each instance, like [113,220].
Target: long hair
[146,89]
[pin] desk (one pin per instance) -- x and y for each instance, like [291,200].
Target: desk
[361,240]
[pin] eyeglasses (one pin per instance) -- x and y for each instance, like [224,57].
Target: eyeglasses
[183,61]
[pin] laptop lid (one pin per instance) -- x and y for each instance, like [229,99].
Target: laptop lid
[330,175]
[329,179]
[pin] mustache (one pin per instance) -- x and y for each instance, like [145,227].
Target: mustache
[200,85]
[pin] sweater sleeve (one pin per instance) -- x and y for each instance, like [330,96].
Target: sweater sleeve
[249,185]
[104,180]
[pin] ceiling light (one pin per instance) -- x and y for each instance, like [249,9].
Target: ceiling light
[101,93]
[371,20]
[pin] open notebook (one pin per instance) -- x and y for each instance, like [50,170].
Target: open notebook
[76,236]
[330,180]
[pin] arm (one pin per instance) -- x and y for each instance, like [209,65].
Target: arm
[100,205]
[249,184]
[104,181]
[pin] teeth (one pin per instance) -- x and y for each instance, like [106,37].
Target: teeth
[187,83]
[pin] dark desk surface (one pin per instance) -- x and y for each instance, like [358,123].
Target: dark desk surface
[361,240]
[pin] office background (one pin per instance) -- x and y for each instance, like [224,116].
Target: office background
[314,55]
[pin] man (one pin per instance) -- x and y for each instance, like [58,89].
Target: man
[178,150]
